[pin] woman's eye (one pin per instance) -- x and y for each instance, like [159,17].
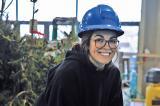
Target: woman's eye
[100,40]
[113,41]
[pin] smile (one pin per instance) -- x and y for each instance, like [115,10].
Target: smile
[107,53]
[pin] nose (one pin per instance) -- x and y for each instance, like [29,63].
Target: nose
[106,46]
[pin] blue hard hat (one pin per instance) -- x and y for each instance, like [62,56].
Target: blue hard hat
[101,17]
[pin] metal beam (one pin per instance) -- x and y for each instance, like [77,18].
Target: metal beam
[16,10]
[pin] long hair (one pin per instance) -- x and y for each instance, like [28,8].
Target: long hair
[85,41]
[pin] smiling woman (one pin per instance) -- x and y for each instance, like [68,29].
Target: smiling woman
[103,46]
[87,76]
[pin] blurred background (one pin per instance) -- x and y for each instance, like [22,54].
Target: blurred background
[35,35]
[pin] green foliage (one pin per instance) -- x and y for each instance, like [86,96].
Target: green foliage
[23,67]
[8,53]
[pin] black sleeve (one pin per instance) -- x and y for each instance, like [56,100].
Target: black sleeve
[64,89]
[41,101]
[42,98]
[116,95]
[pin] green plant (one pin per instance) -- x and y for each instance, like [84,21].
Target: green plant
[23,67]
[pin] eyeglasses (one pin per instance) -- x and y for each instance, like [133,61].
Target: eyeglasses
[100,43]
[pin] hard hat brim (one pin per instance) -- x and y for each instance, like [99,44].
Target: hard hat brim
[118,30]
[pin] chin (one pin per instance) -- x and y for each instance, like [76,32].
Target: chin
[104,62]
[107,62]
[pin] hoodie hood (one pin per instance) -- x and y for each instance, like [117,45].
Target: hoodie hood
[77,53]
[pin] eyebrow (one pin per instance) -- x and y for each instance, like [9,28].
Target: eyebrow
[113,37]
[99,35]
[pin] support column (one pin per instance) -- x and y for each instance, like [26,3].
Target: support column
[149,36]
[54,32]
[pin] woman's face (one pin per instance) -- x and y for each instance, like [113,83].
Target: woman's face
[103,45]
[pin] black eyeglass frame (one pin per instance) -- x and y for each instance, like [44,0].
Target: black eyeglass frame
[107,41]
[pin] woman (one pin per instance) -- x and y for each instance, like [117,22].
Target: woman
[87,76]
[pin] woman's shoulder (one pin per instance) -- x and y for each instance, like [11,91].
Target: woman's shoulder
[112,66]
[68,68]
[69,65]
[113,69]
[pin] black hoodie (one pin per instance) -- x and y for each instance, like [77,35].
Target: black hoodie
[76,82]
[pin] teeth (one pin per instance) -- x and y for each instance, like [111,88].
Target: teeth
[105,54]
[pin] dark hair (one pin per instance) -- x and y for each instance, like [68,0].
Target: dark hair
[85,41]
